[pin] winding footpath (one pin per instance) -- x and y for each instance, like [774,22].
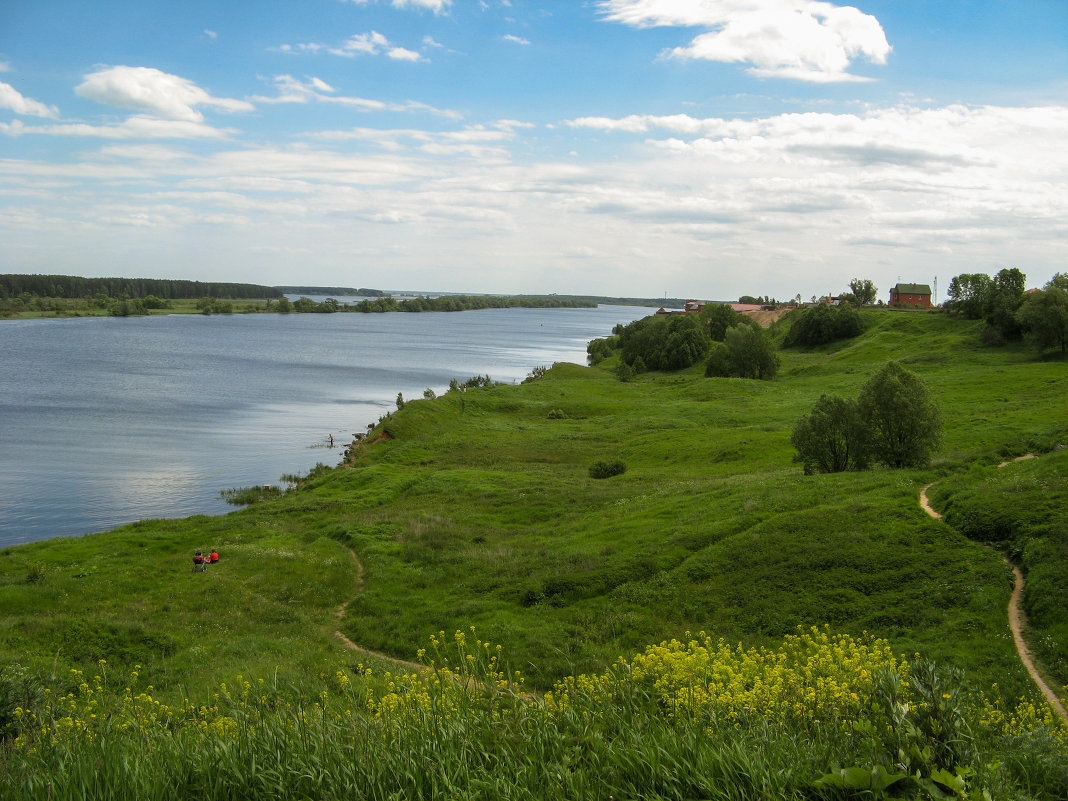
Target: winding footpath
[1017,619]
[412,666]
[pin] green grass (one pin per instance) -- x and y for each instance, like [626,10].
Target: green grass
[480,511]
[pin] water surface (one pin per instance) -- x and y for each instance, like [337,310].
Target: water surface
[105,421]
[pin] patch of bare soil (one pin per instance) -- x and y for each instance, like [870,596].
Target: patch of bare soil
[766,318]
[1017,618]
[1023,458]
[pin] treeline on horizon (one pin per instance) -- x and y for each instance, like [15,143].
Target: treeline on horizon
[333,291]
[444,303]
[72,286]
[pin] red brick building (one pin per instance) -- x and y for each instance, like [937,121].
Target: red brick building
[910,295]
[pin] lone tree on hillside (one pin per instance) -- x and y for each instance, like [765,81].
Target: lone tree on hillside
[904,424]
[833,438]
[864,291]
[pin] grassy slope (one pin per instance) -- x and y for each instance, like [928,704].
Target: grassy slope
[480,511]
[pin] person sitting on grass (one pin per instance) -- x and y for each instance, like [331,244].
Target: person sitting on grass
[213,557]
[199,559]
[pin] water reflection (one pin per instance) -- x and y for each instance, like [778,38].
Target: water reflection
[106,421]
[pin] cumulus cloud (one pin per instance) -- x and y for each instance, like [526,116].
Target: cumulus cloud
[807,40]
[402,54]
[150,90]
[11,98]
[791,201]
[371,44]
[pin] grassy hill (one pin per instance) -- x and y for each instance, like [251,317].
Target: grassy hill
[478,510]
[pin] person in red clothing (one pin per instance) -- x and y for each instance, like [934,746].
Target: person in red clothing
[200,562]
[213,557]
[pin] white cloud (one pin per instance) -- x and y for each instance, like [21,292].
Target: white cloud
[517,39]
[136,127]
[401,54]
[211,34]
[806,40]
[150,90]
[711,206]
[293,90]
[437,6]
[371,44]
[10,98]
[5,66]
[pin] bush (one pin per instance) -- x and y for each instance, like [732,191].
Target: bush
[600,349]
[821,324]
[664,342]
[747,352]
[607,469]
[832,438]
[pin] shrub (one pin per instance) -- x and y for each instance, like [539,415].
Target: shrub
[607,469]
[832,438]
[600,349]
[821,324]
[904,424]
[746,352]
[664,342]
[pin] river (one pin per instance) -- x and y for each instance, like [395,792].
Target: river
[105,421]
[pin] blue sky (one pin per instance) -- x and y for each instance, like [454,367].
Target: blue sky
[701,148]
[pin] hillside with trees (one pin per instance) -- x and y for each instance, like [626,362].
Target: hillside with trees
[682,609]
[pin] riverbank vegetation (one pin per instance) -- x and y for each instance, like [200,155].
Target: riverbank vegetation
[477,508]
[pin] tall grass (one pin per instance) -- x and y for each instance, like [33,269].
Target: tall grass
[696,719]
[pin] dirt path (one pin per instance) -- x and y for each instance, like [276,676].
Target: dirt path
[412,666]
[1017,619]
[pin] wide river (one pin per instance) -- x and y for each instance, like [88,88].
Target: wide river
[105,421]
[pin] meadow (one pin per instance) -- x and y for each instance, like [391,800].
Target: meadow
[477,508]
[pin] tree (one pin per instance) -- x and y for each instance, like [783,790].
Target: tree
[664,342]
[903,423]
[967,294]
[1059,280]
[864,291]
[1043,317]
[719,317]
[746,352]
[1002,301]
[833,437]
[821,324]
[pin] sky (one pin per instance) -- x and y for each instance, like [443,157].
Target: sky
[641,148]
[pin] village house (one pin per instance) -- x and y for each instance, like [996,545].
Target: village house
[910,295]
